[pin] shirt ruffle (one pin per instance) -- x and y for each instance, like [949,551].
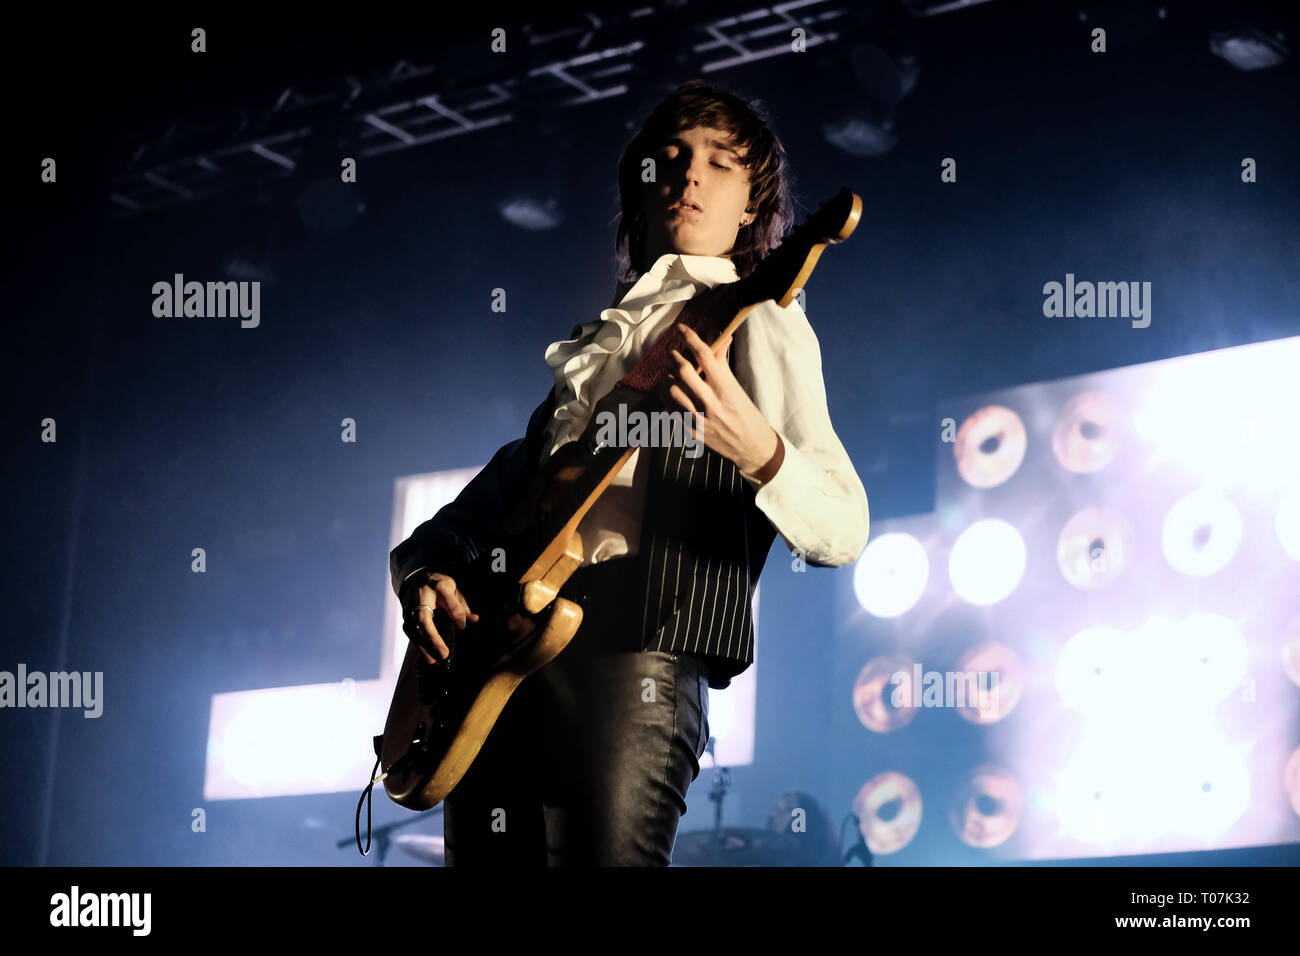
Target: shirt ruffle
[584,367]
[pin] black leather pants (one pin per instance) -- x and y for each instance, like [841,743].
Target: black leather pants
[588,765]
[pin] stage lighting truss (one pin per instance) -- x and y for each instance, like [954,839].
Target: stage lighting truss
[412,105]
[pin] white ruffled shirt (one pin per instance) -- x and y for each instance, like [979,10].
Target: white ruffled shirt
[815,501]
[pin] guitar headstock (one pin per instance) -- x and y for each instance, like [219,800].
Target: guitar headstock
[785,269]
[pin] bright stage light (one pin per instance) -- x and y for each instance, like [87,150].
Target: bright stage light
[1228,417]
[1150,762]
[987,561]
[1154,674]
[1132,785]
[890,576]
[1205,657]
[1201,533]
[1090,672]
[279,741]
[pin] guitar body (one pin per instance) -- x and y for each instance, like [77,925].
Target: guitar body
[451,719]
[441,714]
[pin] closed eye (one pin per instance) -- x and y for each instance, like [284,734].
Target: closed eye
[678,155]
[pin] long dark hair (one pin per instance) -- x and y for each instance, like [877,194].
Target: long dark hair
[771,200]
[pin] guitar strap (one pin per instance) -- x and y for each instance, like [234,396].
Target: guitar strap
[536,431]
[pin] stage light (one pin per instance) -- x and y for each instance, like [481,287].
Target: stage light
[1090,672]
[888,808]
[862,135]
[1134,786]
[292,740]
[1005,681]
[1242,432]
[1093,548]
[1171,701]
[987,562]
[879,683]
[1089,433]
[1249,49]
[990,446]
[1150,763]
[877,69]
[1155,673]
[1188,425]
[1201,533]
[986,810]
[890,575]
[532,212]
[538,182]
[1204,658]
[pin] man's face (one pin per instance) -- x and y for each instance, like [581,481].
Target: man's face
[702,167]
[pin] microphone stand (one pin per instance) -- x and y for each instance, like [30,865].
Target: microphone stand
[718,793]
[381,839]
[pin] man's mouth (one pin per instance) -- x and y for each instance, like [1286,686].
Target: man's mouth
[686,204]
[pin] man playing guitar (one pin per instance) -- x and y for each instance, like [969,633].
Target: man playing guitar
[590,761]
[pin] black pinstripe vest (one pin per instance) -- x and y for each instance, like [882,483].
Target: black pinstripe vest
[689,588]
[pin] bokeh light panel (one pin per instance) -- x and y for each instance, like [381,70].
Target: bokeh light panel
[1123,552]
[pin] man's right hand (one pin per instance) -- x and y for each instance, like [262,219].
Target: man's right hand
[435,591]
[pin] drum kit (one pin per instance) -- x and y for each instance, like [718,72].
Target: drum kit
[799,832]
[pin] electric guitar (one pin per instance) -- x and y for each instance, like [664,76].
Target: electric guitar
[442,713]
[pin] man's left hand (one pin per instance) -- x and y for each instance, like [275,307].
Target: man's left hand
[726,419]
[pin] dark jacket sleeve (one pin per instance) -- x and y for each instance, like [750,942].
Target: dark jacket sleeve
[453,538]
